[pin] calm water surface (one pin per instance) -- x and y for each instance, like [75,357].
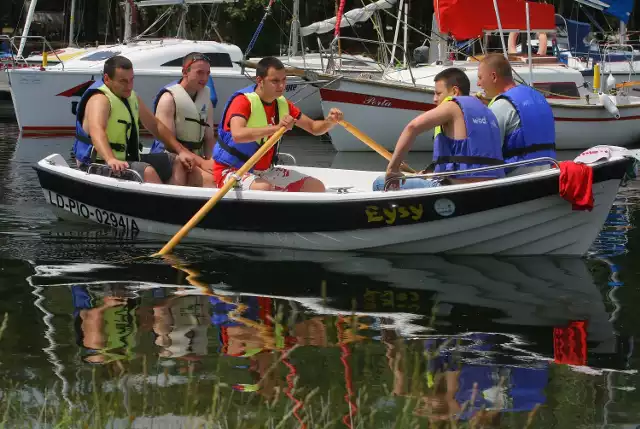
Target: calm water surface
[230,337]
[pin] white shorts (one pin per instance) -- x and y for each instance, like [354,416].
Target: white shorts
[281,178]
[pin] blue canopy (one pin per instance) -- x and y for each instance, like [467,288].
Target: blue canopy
[621,9]
[576,33]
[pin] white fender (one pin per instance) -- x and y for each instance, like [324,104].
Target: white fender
[609,104]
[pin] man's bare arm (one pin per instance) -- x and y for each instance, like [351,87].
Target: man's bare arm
[97,113]
[316,128]
[426,121]
[159,130]
[319,127]
[166,111]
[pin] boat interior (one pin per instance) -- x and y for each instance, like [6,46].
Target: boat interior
[342,184]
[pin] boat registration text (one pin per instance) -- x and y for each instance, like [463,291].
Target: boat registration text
[101,216]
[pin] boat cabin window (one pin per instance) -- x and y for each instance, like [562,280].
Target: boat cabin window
[558,89]
[216,59]
[100,56]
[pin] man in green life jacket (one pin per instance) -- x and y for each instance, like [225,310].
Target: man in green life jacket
[107,130]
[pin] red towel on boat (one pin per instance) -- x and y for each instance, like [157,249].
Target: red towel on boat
[576,182]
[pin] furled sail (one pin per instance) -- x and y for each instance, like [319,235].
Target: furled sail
[348,19]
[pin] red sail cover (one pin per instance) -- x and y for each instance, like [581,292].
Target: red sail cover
[466,19]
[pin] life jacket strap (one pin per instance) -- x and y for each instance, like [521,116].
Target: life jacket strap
[192,146]
[233,151]
[115,146]
[467,160]
[529,149]
[200,122]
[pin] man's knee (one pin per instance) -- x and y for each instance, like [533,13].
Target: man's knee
[261,185]
[151,176]
[311,184]
[378,184]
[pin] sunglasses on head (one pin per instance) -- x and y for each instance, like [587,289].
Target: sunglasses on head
[194,58]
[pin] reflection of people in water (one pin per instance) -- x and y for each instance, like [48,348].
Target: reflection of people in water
[180,324]
[106,331]
[250,329]
[469,392]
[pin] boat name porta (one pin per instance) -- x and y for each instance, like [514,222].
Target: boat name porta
[103,217]
[391,215]
[375,101]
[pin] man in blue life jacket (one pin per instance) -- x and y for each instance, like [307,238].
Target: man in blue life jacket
[466,136]
[250,117]
[185,106]
[527,125]
[107,130]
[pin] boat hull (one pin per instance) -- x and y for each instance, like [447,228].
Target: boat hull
[45,101]
[514,216]
[383,110]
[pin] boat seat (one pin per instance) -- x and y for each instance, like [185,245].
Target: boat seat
[283,155]
[105,170]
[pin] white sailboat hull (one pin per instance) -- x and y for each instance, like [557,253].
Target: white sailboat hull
[383,109]
[43,109]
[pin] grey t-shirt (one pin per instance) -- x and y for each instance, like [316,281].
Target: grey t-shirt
[507,115]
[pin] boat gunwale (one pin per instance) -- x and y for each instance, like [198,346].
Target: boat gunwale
[421,88]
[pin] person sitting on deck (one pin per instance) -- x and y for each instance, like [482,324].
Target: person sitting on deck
[542,41]
[107,130]
[252,115]
[185,107]
[466,136]
[527,125]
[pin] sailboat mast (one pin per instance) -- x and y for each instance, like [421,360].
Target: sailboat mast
[27,25]
[295,28]
[127,21]
[395,34]
[623,33]
[72,18]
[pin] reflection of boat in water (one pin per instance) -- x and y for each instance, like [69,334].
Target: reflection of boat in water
[507,295]
[503,317]
[520,297]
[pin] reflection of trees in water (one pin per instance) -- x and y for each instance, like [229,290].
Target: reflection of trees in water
[8,139]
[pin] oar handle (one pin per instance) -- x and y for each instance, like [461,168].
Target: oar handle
[221,192]
[372,144]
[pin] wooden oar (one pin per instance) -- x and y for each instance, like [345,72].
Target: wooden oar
[220,193]
[372,144]
[627,84]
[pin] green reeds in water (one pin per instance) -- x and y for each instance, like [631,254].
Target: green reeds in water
[127,396]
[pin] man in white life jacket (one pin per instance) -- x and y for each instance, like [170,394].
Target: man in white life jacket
[467,136]
[107,131]
[185,107]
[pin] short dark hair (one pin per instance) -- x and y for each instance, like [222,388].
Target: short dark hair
[268,63]
[454,77]
[499,64]
[192,57]
[116,62]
